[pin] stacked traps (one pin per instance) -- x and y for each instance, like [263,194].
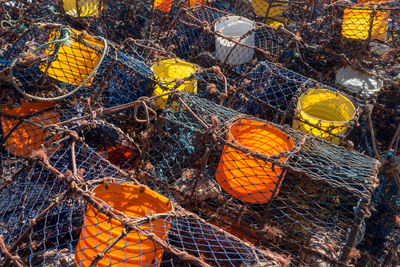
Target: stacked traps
[69,205]
[283,96]
[52,62]
[210,37]
[226,165]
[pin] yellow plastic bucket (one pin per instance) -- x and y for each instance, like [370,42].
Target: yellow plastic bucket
[82,8]
[74,60]
[99,231]
[26,137]
[166,72]
[328,110]
[357,23]
[260,9]
[246,177]
[165,5]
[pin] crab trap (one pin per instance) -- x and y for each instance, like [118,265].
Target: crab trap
[52,62]
[69,206]
[283,96]
[294,194]
[210,37]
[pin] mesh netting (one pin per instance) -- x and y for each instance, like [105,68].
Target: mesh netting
[288,190]
[66,206]
[115,20]
[280,95]
[211,37]
[291,14]
[53,62]
[241,168]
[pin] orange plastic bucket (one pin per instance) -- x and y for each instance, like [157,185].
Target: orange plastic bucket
[27,137]
[99,231]
[165,5]
[245,177]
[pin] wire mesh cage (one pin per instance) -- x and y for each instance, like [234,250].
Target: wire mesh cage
[280,95]
[211,37]
[251,176]
[51,62]
[69,206]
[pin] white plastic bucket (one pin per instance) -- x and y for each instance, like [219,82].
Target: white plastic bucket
[358,82]
[234,27]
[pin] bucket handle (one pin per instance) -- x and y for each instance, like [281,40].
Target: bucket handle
[67,34]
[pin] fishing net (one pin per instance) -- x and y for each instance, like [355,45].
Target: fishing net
[68,205]
[285,190]
[281,95]
[210,37]
[24,129]
[51,62]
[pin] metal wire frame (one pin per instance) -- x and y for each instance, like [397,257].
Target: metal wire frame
[90,68]
[183,159]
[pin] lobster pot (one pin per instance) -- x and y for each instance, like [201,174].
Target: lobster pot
[80,228]
[273,13]
[67,63]
[318,203]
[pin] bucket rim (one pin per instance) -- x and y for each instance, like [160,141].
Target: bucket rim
[137,188]
[326,121]
[290,143]
[176,61]
[239,18]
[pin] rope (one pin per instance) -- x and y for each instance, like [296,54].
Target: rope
[67,34]
[12,24]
